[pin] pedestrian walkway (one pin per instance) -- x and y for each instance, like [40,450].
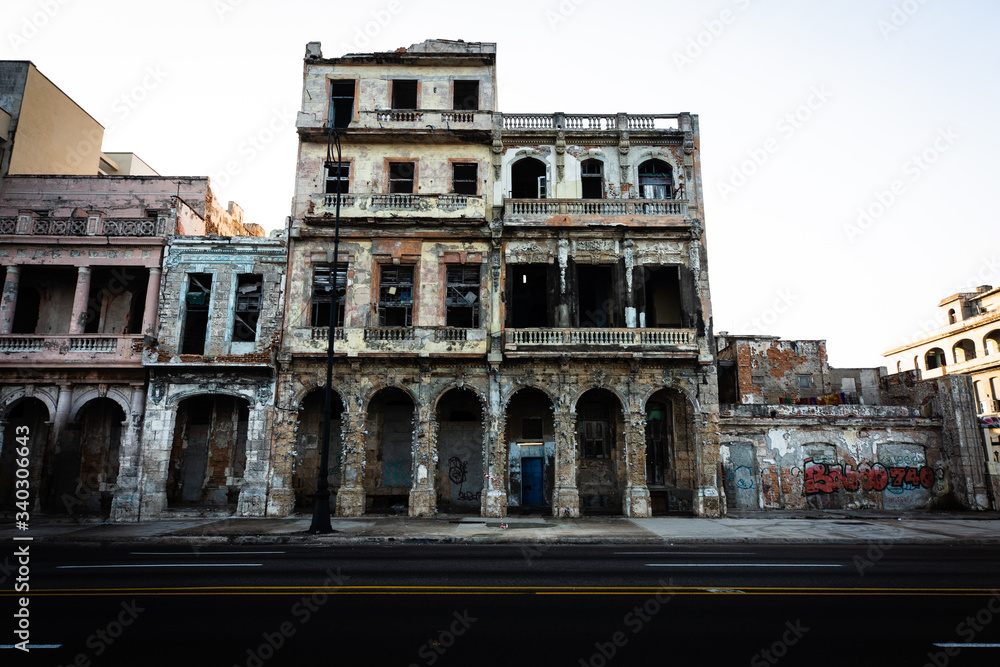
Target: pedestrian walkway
[781,528]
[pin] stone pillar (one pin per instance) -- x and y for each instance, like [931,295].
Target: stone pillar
[125,504]
[63,405]
[155,459]
[283,437]
[636,498]
[253,494]
[78,322]
[495,448]
[566,494]
[351,495]
[152,302]
[423,498]
[8,302]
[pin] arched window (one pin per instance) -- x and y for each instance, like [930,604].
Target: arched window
[991,342]
[899,366]
[527,179]
[916,363]
[655,180]
[951,316]
[592,177]
[934,358]
[964,350]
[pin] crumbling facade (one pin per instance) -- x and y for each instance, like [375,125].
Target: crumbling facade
[966,343]
[523,311]
[797,434]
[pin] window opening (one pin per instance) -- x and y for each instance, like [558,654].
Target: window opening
[593,179]
[657,443]
[655,180]
[342,103]
[467,95]
[527,179]
[404,94]
[596,305]
[322,295]
[662,298]
[595,430]
[465,178]
[197,301]
[528,301]
[338,171]
[395,304]
[462,296]
[249,290]
[401,177]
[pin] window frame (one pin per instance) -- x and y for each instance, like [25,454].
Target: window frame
[330,183]
[474,307]
[393,85]
[318,299]
[454,94]
[389,180]
[654,182]
[455,165]
[406,305]
[331,117]
[252,303]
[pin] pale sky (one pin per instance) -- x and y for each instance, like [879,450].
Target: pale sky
[810,111]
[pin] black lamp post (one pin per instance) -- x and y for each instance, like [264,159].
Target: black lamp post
[321,510]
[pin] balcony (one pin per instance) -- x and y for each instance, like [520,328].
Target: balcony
[92,226]
[396,206]
[57,350]
[426,121]
[595,211]
[414,341]
[602,341]
[550,122]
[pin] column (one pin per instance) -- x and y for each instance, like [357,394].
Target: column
[566,494]
[351,495]
[495,485]
[636,499]
[423,497]
[8,302]
[63,405]
[78,323]
[152,303]
[125,504]
[253,494]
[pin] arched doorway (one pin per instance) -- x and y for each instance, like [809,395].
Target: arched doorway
[30,413]
[305,467]
[670,458]
[460,452]
[389,451]
[209,451]
[85,469]
[602,473]
[530,450]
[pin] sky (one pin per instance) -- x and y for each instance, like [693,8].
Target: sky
[848,148]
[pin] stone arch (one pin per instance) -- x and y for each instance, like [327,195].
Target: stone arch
[391,423]
[113,394]
[308,441]
[10,401]
[509,392]
[35,414]
[208,453]
[530,436]
[86,466]
[459,416]
[594,385]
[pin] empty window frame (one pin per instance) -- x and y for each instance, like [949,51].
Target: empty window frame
[395,296]
[527,290]
[595,430]
[465,178]
[805,381]
[595,296]
[338,171]
[655,180]
[197,301]
[662,304]
[528,179]
[462,296]
[404,94]
[466,96]
[341,103]
[322,294]
[249,291]
[592,177]
[401,177]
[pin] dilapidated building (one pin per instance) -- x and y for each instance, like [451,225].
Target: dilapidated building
[795,433]
[522,305]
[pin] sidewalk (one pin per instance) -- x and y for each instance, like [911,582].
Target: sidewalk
[779,528]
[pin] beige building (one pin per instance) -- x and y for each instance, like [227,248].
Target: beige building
[968,342]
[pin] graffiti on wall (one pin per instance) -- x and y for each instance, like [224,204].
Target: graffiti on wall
[457,472]
[831,477]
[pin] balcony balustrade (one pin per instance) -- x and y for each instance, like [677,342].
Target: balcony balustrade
[354,205]
[646,339]
[39,350]
[404,119]
[93,226]
[538,210]
[588,122]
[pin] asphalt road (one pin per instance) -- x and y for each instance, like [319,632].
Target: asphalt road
[498,605]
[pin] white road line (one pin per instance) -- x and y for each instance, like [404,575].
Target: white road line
[79,567]
[743,565]
[959,645]
[202,553]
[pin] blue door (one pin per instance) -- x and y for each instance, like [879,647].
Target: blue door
[532,491]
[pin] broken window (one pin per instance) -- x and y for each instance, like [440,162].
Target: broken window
[462,296]
[404,94]
[401,176]
[655,180]
[342,103]
[527,179]
[662,303]
[595,430]
[465,178]
[595,294]
[593,179]
[805,381]
[467,95]
[197,301]
[338,172]
[322,295]
[528,295]
[395,302]
[249,290]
